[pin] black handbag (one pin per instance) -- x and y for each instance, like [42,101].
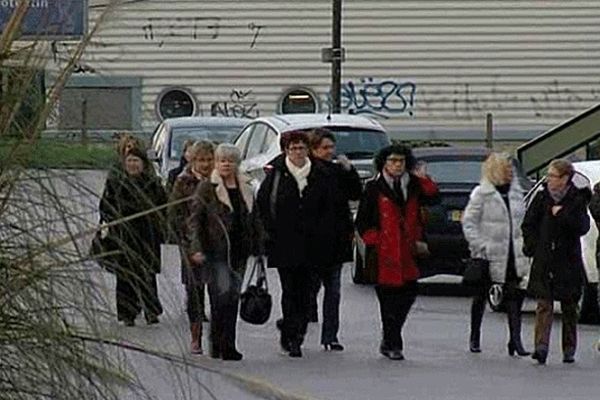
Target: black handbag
[103,250]
[477,272]
[255,300]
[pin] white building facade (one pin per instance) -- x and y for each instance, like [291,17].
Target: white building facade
[425,69]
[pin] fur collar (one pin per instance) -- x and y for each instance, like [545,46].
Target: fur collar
[243,185]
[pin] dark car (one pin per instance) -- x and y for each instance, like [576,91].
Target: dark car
[457,170]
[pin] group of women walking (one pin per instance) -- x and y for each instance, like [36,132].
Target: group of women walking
[300,220]
[545,235]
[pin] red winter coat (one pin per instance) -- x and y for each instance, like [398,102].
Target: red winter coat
[392,226]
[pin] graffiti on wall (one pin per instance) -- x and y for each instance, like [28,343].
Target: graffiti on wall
[163,29]
[96,52]
[241,104]
[470,101]
[379,98]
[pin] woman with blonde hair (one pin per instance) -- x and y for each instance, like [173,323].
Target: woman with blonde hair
[492,226]
[198,170]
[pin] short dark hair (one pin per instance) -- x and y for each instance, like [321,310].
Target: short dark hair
[399,149]
[288,138]
[316,136]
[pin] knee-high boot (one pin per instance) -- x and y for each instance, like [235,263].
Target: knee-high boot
[477,310]
[514,328]
[196,331]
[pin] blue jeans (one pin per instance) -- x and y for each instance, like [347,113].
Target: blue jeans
[330,278]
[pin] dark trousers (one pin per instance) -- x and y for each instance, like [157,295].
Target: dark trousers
[194,302]
[544,314]
[330,279]
[394,305]
[137,291]
[295,300]
[513,298]
[224,285]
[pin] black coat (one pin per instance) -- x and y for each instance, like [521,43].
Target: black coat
[554,243]
[301,230]
[139,239]
[174,173]
[348,188]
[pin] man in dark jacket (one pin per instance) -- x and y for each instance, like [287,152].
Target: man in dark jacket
[297,206]
[553,225]
[347,187]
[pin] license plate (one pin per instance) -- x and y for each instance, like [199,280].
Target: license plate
[455,215]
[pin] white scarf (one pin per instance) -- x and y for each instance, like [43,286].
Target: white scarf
[300,174]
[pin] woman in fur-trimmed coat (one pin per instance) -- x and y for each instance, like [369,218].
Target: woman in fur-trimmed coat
[492,226]
[224,232]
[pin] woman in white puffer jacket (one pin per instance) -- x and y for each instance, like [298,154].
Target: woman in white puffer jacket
[492,226]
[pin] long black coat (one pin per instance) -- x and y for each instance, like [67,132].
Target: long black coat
[301,230]
[139,239]
[554,243]
[348,188]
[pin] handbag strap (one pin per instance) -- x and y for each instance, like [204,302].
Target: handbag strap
[258,269]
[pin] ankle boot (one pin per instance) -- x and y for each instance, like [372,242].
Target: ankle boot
[474,342]
[196,331]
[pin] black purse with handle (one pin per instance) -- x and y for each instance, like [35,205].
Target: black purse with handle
[255,300]
[477,272]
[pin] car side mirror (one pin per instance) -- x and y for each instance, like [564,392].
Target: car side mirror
[153,155]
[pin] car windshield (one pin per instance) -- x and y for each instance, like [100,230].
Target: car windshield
[455,171]
[358,143]
[217,134]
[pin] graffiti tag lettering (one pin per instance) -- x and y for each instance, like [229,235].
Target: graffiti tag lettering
[161,30]
[378,98]
[240,105]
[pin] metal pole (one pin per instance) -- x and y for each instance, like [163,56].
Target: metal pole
[489,131]
[336,60]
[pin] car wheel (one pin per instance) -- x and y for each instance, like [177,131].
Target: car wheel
[496,298]
[358,269]
[589,310]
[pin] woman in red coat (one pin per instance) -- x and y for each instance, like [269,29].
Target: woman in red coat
[389,220]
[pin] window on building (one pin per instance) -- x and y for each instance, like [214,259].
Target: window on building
[174,103]
[95,108]
[24,89]
[298,101]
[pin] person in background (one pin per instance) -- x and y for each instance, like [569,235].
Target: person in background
[139,239]
[347,187]
[224,231]
[553,225]
[389,219]
[595,211]
[492,226]
[183,161]
[193,276]
[297,206]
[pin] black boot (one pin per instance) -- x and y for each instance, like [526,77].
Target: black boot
[477,310]
[514,328]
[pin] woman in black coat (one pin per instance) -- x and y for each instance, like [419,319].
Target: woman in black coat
[297,206]
[138,239]
[553,225]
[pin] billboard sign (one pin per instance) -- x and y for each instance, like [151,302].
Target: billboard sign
[48,19]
